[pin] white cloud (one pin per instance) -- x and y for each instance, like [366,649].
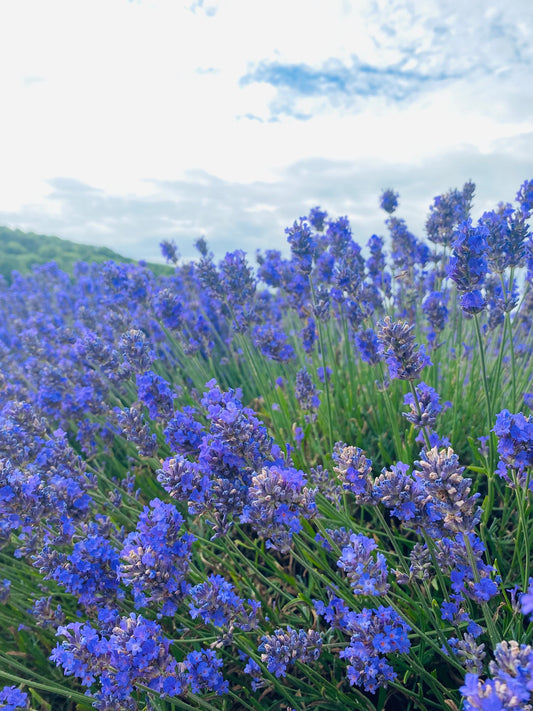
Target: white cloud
[123,96]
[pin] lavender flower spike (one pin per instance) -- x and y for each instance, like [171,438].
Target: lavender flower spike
[405,361]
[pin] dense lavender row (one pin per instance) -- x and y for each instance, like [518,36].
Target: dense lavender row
[207,480]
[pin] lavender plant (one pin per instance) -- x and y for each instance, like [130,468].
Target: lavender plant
[306,484]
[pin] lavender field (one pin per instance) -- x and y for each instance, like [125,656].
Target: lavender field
[272,483]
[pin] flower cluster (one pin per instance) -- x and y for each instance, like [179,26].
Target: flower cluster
[306,394]
[435,497]
[155,558]
[135,653]
[12,698]
[90,571]
[511,682]
[367,576]
[389,201]
[374,633]
[282,649]
[515,445]
[468,264]
[354,470]
[425,408]
[277,498]
[126,444]
[216,601]
[405,361]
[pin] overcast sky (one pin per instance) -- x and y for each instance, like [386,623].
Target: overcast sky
[123,122]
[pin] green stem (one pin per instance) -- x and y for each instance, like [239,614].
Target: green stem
[326,379]
[491,629]
[401,450]
[419,413]
[520,493]
[513,360]
[487,509]
[60,691]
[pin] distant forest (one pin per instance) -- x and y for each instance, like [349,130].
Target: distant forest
[21,250]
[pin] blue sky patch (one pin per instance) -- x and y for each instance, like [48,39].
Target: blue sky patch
[339,83]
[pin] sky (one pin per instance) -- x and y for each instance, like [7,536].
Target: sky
[126,122]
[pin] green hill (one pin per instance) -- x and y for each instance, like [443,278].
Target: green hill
[21,250]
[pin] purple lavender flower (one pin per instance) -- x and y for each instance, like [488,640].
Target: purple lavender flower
[368,346]
[200,670]
[473,302]
[468,652]
[169,309]
[277,498]
[339,235]
[339,536]
[524,197]
[376,262]
[447,211]
[407,251]
[322,303]
[389,201]
[272,342]
[169,251]
[5,590]
[420,567]
[454,557]
[317,218]
[237,279]
[133,426]
[54,486]
[135,348]
[434,307]
[511,682]
[375,632]
[282,649]
[308,335]
[302,245]
[12,698]
[327,485]
[398,491]
[184,432]
[155,392]
[155,557]
[201,246]
[350,271]
[45,615]
[468,264]
[216,601]
[236,426]
[354,470]
[367,576]
[502,297]
[185,481]
[135,653]
[98,354]
[507,232]
[404,360]
[90,572]
[271,267]
[209,278]
[336,612]
[448,504]
[526,600]
[515,445]
[429,403]
[435,497]
[254,670]
[324,376]
[306,394]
